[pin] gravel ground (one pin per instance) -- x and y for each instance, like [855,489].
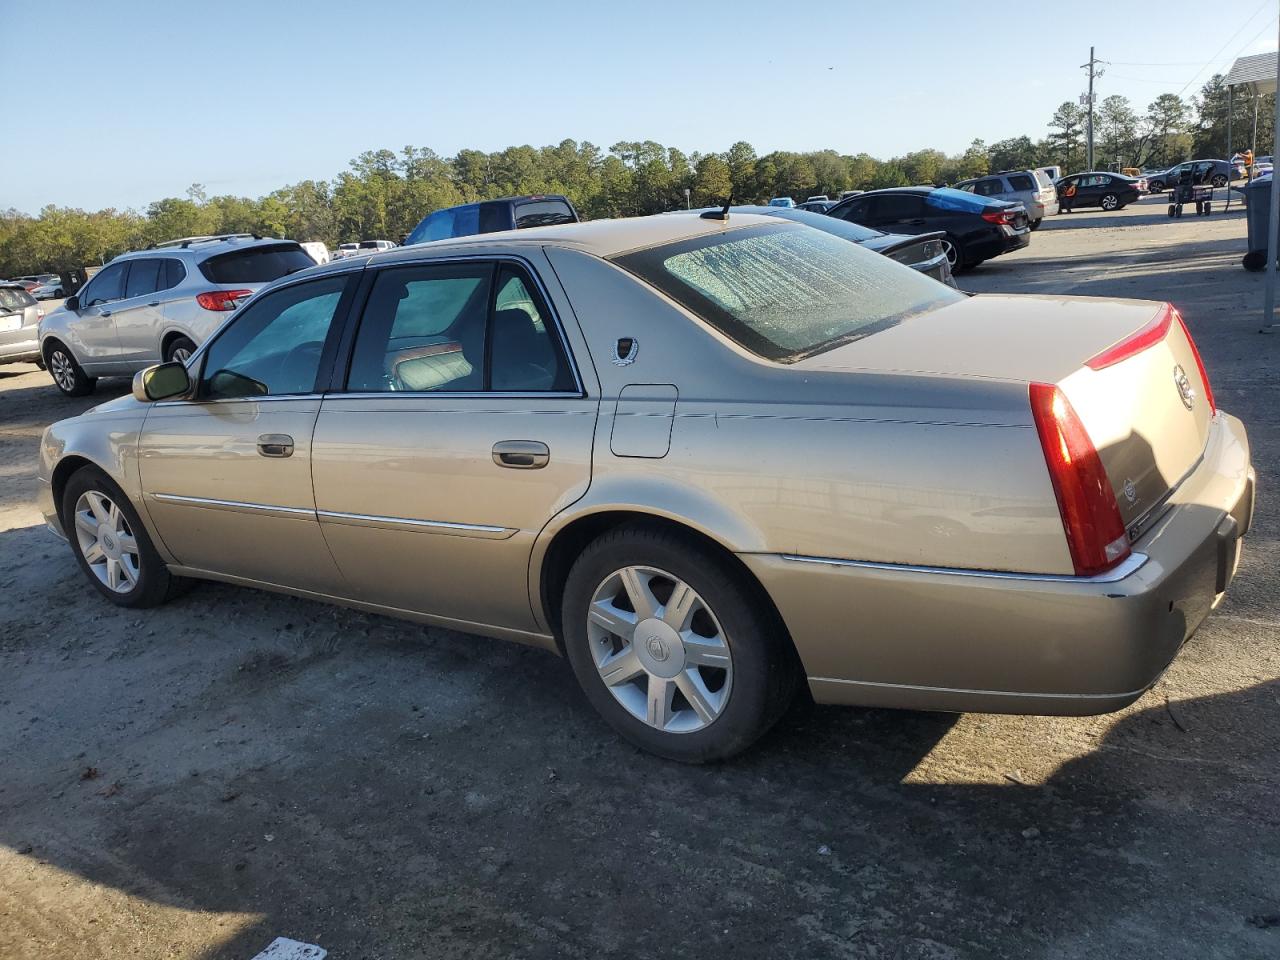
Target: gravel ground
[196,780]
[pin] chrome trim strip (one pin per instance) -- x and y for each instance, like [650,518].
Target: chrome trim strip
[403,523]
[234,505]
[1127,568]
[983,693]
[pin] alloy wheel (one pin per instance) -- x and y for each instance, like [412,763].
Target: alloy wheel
[953,255]
[181,354]
[106,542]
[63,369]
[660,649]
[1109,202]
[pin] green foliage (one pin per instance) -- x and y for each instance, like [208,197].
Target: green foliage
[383,194]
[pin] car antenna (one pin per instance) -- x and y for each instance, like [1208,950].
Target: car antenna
[722,214]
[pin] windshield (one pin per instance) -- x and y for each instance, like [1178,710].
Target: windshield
[786,293]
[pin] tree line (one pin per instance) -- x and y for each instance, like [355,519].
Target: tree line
[384,194]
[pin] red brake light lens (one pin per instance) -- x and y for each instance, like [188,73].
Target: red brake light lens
[1195,352]
[1090,517]
[1135,343]
[997,216]
[222,299]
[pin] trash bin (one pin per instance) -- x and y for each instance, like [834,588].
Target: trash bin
[1257,199]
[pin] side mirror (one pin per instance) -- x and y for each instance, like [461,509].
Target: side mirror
[72,303]
[161,382]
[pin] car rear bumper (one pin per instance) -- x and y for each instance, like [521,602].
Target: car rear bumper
[19,351]
[890,635]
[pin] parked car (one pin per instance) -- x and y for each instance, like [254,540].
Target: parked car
[158,304]
[316,250]
[490,216]
[20,317]
[813,206]
[923,253]
[1110,191]
[345,250]
[1216,172]
[1033,189]
[974,228]
[820,196]
[49,291]
[706,461]
[782,202]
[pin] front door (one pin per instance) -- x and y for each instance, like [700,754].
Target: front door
[462,430]
[93,334]
[226,475]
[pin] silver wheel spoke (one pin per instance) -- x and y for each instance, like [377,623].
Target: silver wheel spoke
[127,544]
[704,651]
[97,505]
[678,610]
[617,622]
[87,522]
[661,692]
[637,587]
[129,575]
[621,667]
[93,553]
[695,691]
[113,573]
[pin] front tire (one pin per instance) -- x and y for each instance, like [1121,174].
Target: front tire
[111,545]
[68,375]
[672,647]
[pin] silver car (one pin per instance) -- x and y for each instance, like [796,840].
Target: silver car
[706,460]
[158,305]
[19,324]
[1032,188]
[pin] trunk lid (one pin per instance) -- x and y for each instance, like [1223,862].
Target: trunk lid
[1147,433]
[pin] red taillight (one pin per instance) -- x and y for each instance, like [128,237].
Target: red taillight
[997,216]
[1090,516]
[222,299]
[1135,343]
[1195,352]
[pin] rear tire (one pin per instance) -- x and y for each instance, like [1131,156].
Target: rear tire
[955,253]
[1109,202]
[1219,180]
[1035,224]
[68,375]
[179,349]
[111,544]
[714,668]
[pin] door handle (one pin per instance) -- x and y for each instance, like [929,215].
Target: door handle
[521,454]
[275,445]
[104,313]
[154,303]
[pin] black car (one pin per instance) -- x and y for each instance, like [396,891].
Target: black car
[490,216]
[923,253]
[1110,191]
[974,228]
[1216,172]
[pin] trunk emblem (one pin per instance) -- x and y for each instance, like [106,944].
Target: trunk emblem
[1131,491]
[1185,390]
[625,350]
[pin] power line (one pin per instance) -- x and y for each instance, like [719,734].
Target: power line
[1245,23]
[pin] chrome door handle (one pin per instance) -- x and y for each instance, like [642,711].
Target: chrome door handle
[104,313]
[521,454]
[275,445]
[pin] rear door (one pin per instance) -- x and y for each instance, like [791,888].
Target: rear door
[462,430]
[139,316]
[899,213]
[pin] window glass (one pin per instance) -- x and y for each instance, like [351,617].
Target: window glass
[493,217]
[526,352]
[143,277]
[855,212]
[966,187]
[256,264]
[174,273]
[108,285]
[12,299]
[1020,181]
[543,213]
[423,329]
[897,206]
[988,188]
[273,347]
[788,292]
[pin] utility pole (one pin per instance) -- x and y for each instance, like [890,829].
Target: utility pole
[1092,67]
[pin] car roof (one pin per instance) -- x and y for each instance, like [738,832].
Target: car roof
[202,248]
[602,238]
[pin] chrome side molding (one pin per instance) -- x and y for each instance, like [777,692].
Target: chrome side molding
[1127,568]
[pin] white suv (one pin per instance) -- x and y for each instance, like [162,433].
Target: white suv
[156,305]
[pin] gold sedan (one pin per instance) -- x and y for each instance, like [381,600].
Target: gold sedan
[706,458]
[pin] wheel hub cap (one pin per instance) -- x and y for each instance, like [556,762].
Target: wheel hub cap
[660,649]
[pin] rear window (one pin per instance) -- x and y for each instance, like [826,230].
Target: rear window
[11,298]
[443,224]
[543,213]
[256,264]
[784,292]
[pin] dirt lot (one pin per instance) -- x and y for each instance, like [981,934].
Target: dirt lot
[196,780]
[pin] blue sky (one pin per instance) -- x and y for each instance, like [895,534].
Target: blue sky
[130,100]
